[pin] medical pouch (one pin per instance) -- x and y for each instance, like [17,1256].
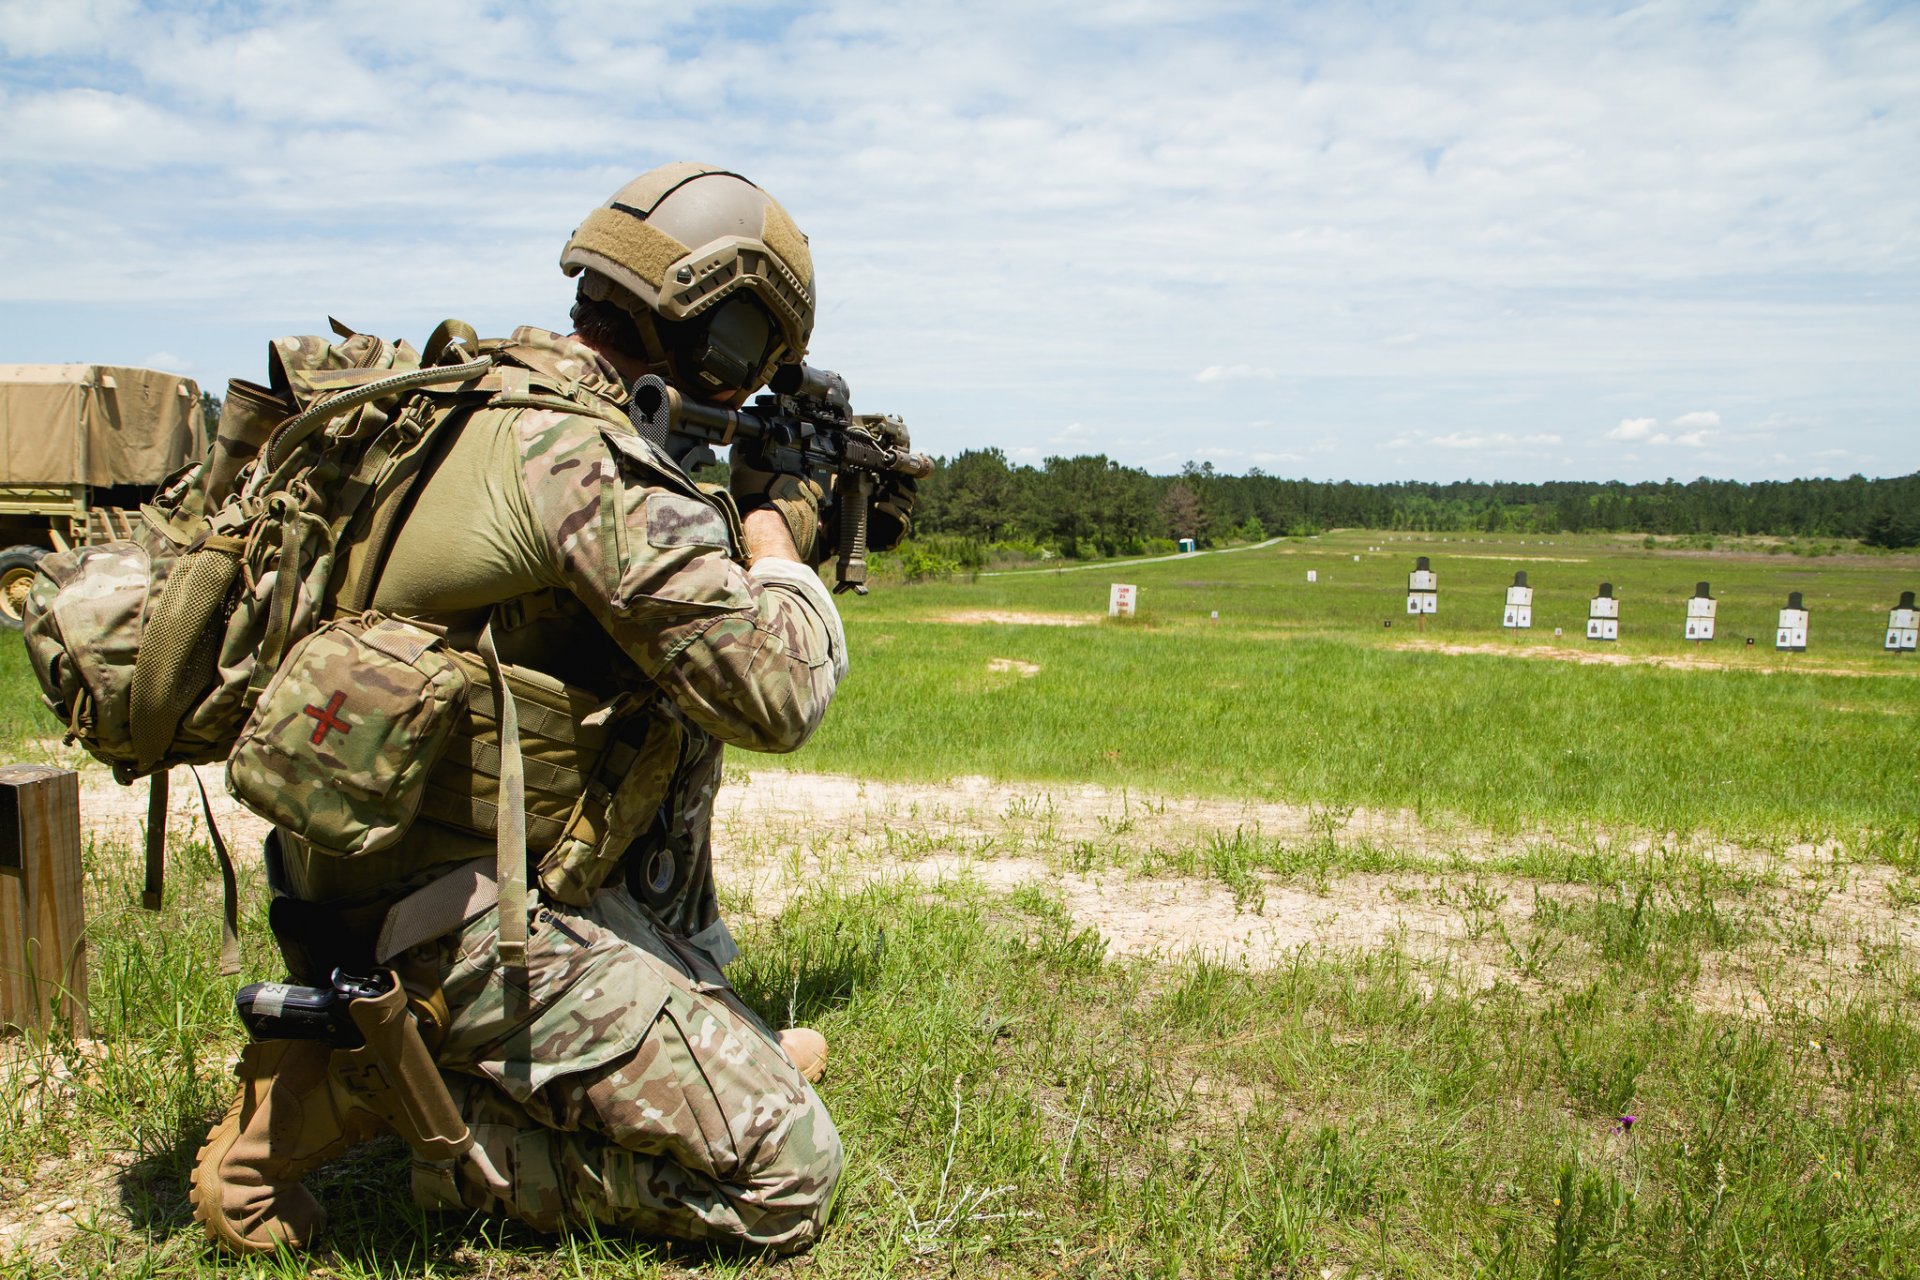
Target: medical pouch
[338,750]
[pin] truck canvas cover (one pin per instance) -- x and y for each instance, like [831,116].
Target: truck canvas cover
[95,424]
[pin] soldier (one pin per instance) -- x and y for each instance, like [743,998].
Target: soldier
[642,623]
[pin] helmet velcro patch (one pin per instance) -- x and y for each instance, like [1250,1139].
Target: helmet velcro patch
[785,239]
[627,242]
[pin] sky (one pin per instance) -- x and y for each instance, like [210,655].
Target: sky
[1343,241]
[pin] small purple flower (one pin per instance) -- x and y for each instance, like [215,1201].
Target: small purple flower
[1624,1124]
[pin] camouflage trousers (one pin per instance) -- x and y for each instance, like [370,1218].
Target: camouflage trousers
[620,1081]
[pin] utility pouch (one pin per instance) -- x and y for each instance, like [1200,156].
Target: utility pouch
[607,819]
[339,747]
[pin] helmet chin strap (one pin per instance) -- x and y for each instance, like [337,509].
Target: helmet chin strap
[657,355]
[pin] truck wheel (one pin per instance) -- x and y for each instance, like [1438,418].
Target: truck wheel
[16,579]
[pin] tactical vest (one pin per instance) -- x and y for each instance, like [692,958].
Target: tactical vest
[222,631]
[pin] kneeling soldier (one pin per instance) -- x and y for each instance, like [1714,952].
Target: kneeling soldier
[631,623]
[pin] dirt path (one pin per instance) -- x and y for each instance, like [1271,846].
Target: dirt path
[776,833]
[1127,564]
[1141,868]
[1682,662]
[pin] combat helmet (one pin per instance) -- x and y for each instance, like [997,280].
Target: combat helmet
[717,278]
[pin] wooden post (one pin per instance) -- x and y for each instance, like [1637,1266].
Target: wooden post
[42,921]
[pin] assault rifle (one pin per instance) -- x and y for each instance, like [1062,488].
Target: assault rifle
[805,427]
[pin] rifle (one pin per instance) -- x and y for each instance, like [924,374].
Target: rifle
[805,427]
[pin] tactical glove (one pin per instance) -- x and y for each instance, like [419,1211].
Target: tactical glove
[795,497]
[891,515]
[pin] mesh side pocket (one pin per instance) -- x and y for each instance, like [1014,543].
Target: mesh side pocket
[179,646]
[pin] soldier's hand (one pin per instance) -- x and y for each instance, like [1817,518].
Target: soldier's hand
[755,487]
[890,517]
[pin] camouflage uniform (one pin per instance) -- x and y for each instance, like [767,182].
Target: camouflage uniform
[623,1082]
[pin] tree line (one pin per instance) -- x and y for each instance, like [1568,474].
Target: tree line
[1090,505]
[1094,506]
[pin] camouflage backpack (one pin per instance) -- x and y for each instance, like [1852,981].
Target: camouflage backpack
[154,651]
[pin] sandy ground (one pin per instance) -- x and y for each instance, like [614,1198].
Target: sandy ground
[776,833]
[978,617]
[1683,662]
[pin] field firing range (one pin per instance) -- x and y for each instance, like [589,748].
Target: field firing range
[1248,935]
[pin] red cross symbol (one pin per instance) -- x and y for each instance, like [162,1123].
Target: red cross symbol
[328,719]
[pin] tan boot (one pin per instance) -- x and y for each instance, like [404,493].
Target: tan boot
[807,1050]
[292,1115]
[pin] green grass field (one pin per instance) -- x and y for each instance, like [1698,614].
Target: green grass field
[1689,895]
[1299,692]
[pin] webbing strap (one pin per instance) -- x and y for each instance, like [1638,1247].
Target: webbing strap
[229,889]
[510,835]
[467,812]
[156,886]
[560,404]
[436,908]
[285,599]
[478,756]
[547,722]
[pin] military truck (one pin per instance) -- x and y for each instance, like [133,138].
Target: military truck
[81,447]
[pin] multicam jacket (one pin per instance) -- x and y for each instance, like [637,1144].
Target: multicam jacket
[600,565]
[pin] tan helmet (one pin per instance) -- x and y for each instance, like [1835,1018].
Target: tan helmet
[685,239]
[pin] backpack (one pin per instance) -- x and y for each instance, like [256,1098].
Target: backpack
[155,650]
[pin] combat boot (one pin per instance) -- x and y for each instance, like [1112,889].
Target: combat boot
[807,1050]
[292,1115]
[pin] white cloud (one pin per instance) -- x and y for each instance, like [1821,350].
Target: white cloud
[1230,373]
[1490,440]
[169,362]
[1645,430]
[1484,441]
[1074,435]
[34,29]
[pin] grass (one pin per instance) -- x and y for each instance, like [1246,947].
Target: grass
[1016,1104]
[1298,693]
[1265,591]
[1622,920]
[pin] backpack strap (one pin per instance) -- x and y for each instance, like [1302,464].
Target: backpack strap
[390,508]
[150,897]
[229,888]
[447,334]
